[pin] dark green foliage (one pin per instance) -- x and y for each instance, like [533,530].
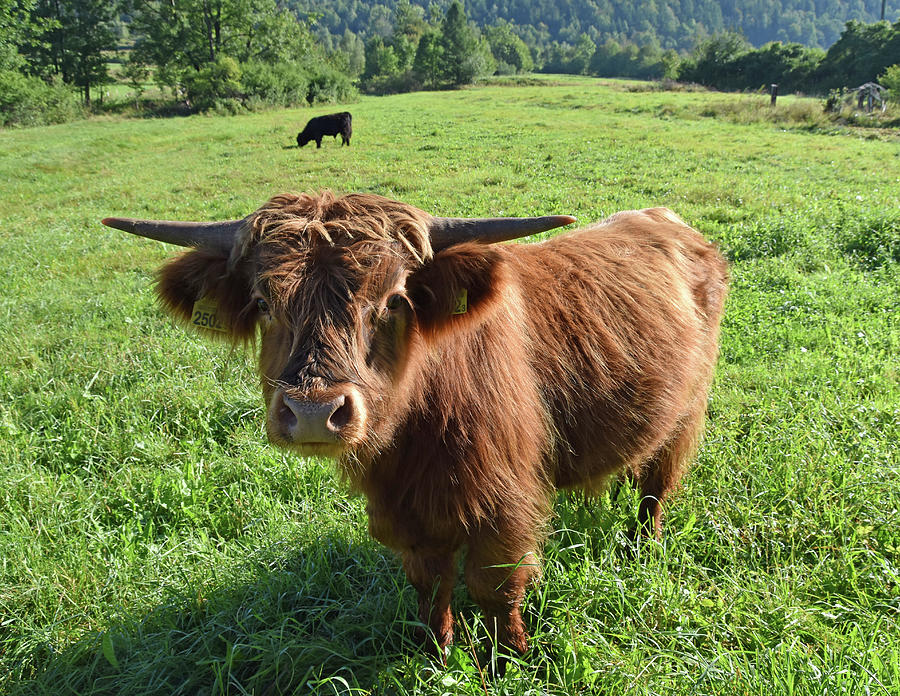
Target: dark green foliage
[726,61]
[218,80]
[575,60]
[712,61]
[231,54]
[380,58]
[17,30]
[328,85]
[29,101]
[415,55]
[675,24]
[282,83]
[510,52]
[428,60]
[647,62]
[861,54]
[73,36]
[890,79]
[465,55]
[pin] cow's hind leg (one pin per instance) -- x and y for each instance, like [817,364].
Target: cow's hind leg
[497,572]
[433,576]
[662,473]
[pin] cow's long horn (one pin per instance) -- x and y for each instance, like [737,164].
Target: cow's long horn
[447,231]
[218,236]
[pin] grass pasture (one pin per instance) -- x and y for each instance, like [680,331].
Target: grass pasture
[151,542]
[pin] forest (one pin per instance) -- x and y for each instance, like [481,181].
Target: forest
[676,24]
[58,58]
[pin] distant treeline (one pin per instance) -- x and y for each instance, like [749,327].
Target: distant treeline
[727,61]
[230,55]
[675,24]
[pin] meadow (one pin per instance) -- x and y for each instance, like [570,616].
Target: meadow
[152,542]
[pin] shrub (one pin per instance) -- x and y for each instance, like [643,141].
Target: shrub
[890,78]
[215,82]
[281,84]
[29,101]
[328,85]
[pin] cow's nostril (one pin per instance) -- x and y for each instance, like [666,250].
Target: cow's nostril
[287,417]
[342,415]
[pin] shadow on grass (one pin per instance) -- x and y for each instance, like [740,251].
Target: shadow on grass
[331,618]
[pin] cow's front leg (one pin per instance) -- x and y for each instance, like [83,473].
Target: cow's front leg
[497,572]
[433,575]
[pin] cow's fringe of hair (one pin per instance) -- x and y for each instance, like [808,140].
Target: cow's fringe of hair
[306,219]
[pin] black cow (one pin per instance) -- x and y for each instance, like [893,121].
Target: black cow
[330,124]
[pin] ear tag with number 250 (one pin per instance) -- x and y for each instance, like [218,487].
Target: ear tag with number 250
[205,315]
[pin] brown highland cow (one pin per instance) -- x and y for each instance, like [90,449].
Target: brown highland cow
[457,382]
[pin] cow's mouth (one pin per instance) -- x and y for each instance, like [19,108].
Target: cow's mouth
[332,450]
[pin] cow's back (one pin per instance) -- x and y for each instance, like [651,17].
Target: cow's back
[623,320]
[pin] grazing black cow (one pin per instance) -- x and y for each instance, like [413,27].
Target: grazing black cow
[330,124]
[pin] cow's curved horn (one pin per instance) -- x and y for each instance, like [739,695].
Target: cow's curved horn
[218,236]
[447,231]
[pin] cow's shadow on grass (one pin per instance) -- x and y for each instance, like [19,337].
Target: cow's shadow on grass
[325,616]
[331,614]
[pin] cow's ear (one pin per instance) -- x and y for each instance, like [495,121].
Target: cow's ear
[457,288]
[200,288]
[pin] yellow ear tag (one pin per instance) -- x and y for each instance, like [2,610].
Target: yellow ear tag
[205,315]
[461,306]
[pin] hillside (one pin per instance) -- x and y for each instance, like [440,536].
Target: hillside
[674,23]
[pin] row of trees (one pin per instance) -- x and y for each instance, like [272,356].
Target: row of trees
[672,24]
[209,53]
[228,54]
[414,53]
[863,53]
[437,52]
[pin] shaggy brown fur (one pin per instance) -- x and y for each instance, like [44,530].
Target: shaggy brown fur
[581,356]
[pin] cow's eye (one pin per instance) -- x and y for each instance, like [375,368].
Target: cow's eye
[262,306]
[394,302]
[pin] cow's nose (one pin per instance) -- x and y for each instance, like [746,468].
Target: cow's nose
[308,422]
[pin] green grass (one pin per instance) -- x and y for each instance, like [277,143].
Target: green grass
[151,542]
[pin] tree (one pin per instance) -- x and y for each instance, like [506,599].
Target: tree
[75,34]
[890,79]
[428,62]
[355,50]
[508,48]
[581,56]
[17,29]
[189,40]
[188,34]
[380,59]
[466,56]
[711,61]
[860,55]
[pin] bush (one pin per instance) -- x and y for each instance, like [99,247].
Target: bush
[282,84]
[328,85]
[890,79]
[406,81]
[215,82]
[29,101]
